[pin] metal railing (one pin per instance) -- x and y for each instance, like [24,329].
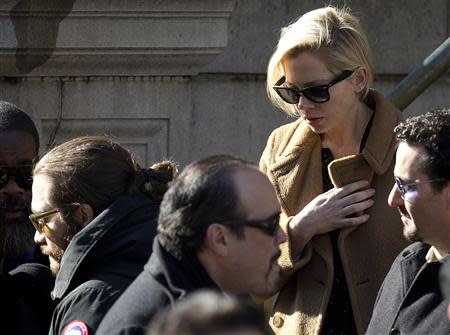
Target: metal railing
[421,77]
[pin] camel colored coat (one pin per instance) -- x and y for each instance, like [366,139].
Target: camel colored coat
[293,163]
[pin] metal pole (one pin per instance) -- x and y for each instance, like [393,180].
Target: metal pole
[421,77]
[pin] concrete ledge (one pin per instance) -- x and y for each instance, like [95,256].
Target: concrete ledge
[73,38]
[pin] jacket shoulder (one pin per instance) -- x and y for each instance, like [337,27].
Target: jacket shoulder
[416,249]
[280,134]
[278,140]
[132,312]
[87,303]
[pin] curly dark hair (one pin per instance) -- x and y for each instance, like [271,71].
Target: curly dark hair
[202,194]
[430,131]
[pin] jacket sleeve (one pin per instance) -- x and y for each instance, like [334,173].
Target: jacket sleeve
[86,304]
[288,264]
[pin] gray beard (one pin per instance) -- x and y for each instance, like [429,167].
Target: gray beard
[16,237]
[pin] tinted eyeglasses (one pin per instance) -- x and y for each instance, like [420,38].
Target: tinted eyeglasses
[319,93]
[23,175]
[269,226]
[408,191]
[39,219]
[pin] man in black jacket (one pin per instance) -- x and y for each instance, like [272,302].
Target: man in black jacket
[25,284]
[410,301]
[95,216]
[218,229]
[19,146]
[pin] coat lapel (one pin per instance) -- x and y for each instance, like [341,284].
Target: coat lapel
[299,163]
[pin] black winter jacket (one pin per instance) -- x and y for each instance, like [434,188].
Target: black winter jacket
[26,303]
[164,280]
[101,261]
[410,301]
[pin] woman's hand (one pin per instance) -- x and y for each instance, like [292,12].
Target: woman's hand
[338,208]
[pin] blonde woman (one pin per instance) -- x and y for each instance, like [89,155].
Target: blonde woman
[332,169]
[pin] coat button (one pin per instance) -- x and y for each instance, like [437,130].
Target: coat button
[394,331]
[278,321]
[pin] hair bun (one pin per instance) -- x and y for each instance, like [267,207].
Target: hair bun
[157,178]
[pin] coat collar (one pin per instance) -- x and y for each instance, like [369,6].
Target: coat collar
[380,146]
[179,276]
[92,236]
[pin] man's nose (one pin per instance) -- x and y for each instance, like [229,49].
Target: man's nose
[12,188]
[39,238]
[395,198]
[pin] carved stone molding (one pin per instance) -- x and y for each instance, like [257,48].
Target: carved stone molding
[146,138]
[80,37]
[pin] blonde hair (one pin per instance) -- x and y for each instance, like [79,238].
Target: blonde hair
[334,34]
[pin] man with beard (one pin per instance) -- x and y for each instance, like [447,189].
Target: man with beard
[94,210]
[25,285]
[219,229]
[410,301]
[19,146]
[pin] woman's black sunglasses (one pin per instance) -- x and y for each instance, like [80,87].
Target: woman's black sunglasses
[318,93]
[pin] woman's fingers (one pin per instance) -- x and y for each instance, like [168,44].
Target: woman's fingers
[350,188]
[357,197]
[358,207]
[353,221]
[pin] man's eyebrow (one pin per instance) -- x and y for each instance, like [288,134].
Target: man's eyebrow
[403,180]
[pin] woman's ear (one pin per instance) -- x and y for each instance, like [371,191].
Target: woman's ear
[359,79]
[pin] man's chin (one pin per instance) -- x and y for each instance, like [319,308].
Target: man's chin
[14,217]
[410,234]
[16,235]
[54,265]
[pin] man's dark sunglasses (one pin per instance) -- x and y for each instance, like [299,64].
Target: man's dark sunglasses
[318,93]
[23,175]
[269,226]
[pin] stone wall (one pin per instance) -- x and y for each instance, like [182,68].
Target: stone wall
[183,79]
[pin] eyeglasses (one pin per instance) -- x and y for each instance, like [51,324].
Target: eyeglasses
[269,226]
[23,175]
[408,191]
[318,93]
[39,222]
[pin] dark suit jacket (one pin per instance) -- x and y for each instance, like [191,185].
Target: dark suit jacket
[164,281]
[410,301]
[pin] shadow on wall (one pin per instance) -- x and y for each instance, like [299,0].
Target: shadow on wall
[35,32]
